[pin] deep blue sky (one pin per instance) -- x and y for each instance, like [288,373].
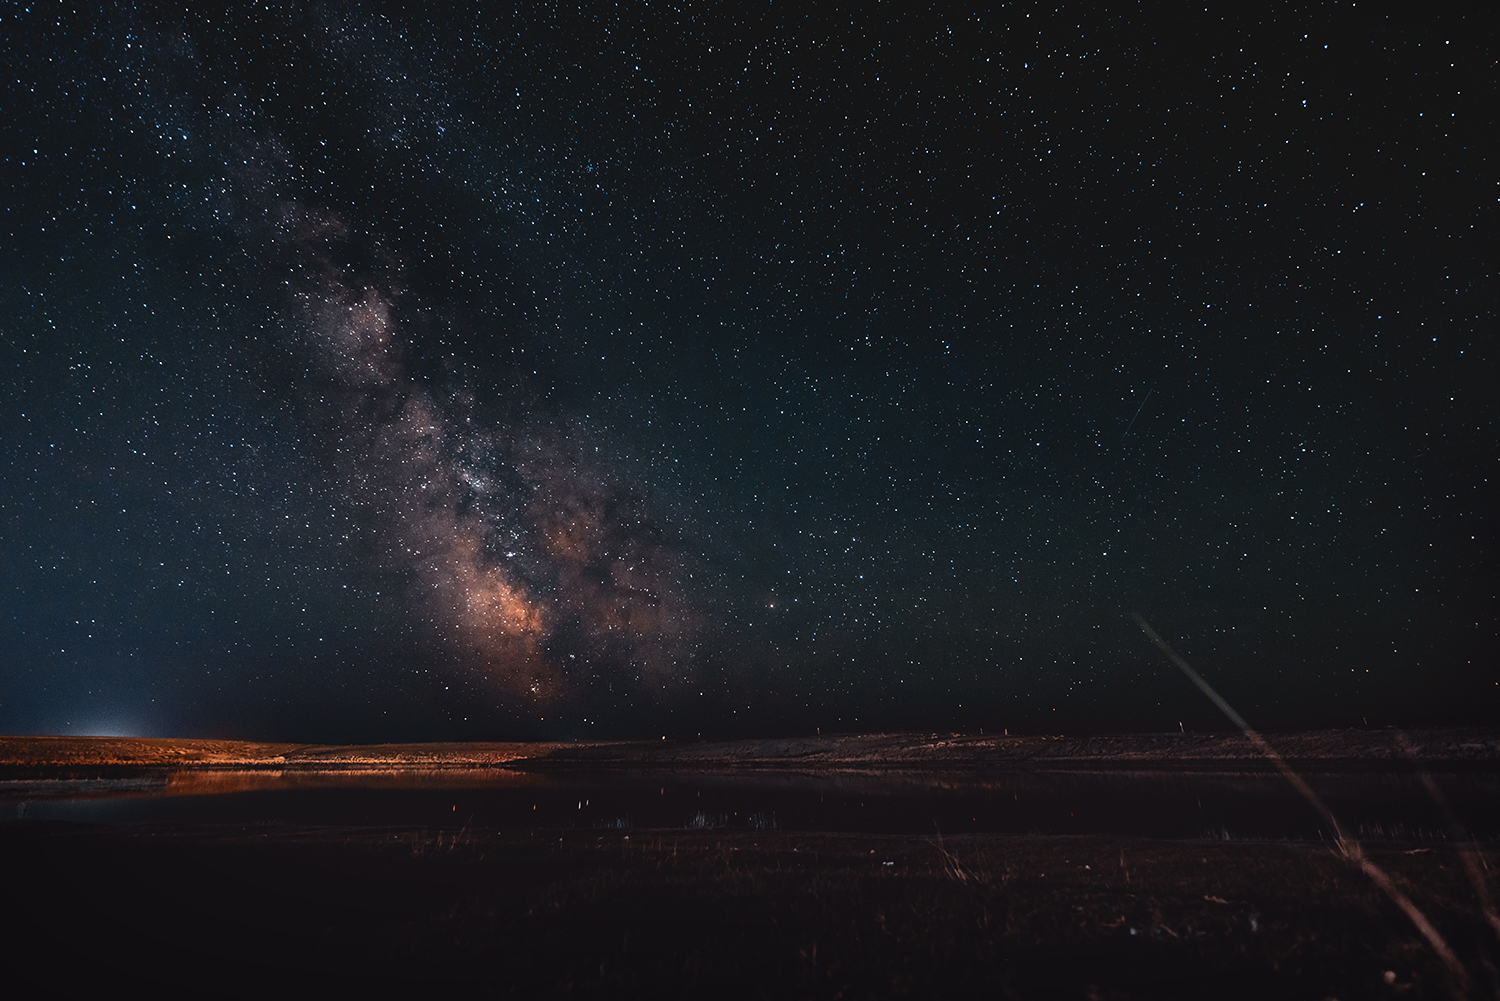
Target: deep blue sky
[635,370]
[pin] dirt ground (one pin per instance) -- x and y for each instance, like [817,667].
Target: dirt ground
[286,911]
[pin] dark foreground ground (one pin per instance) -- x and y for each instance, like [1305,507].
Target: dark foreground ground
[280,911]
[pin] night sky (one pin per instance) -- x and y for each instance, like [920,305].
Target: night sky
[722,370]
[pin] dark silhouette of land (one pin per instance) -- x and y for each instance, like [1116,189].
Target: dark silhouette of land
[1440,748]
[723,907]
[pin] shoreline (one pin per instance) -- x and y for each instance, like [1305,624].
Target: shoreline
[1445,749]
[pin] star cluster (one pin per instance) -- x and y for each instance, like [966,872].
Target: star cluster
[639,369]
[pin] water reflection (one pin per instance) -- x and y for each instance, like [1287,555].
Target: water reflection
[215,782]
[1139,803]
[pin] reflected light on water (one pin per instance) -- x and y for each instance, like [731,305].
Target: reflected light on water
[208,783]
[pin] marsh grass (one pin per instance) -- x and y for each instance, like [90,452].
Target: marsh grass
[763,822]
[715,912]
[951,866]
[1462,984]
[425,843]
[1475,865]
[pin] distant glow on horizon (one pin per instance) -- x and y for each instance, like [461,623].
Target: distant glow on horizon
[103,728]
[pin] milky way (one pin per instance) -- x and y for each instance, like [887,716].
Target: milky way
[523,557]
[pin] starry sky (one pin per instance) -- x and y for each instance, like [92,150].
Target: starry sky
[723,370]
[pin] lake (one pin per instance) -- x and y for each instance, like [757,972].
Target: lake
[1373,805]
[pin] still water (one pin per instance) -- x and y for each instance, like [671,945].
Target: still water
[1374,806]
